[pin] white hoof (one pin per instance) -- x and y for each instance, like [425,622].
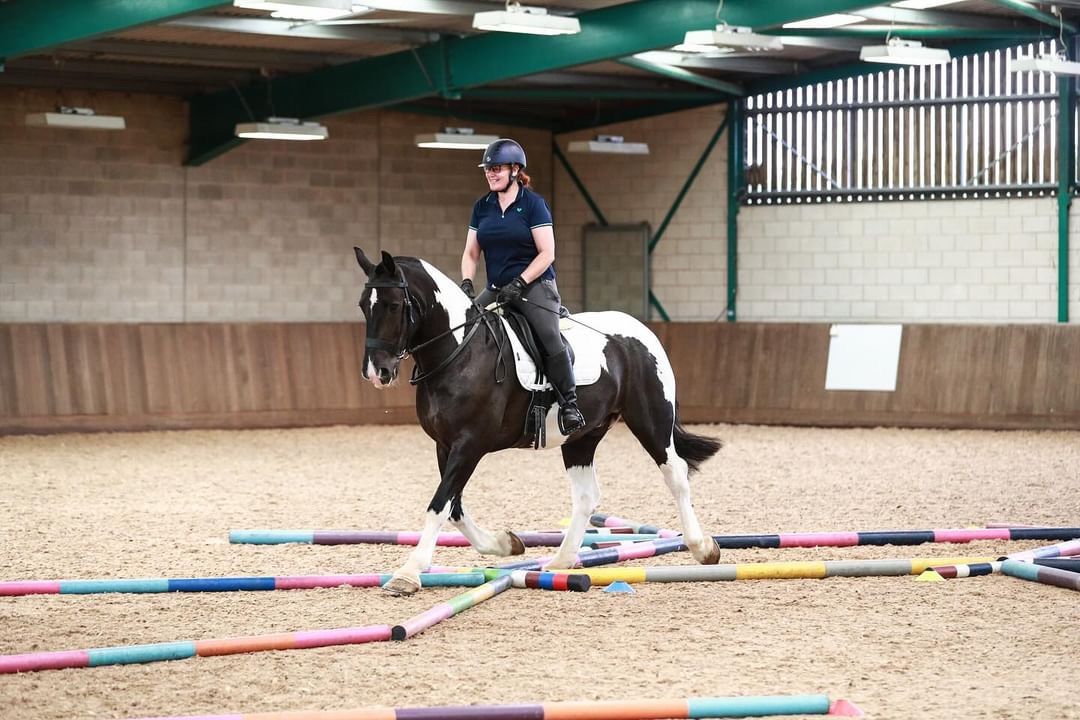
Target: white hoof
[402,585]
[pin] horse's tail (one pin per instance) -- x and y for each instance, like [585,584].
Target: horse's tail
[694,449]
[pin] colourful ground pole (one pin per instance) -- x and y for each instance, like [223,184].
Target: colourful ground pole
[453,606]
[1039,573]
[696,707]
[814,569]
[157,652]
[227,584]
[608,521]
[607,556]
[1060,550]
[379,537]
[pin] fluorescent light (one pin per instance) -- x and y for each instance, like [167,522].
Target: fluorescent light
[904,52]
[1045,63]
[276,128]
[609,144]
[453,138]
[725,37]
[522,19]
[303,9]
[826,21]
[922,4]
[76,117]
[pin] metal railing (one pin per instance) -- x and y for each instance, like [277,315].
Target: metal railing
[967,129]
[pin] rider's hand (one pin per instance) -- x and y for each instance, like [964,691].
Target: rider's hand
[511,291]
[468,289]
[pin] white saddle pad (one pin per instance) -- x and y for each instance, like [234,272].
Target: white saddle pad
[588,353]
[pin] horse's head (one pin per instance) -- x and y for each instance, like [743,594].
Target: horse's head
[390,312]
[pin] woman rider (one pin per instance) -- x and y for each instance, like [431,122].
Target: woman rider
[512,227]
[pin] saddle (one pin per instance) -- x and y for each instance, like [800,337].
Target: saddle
[529,368]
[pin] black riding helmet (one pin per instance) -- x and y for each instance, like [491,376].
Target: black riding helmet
[504,151]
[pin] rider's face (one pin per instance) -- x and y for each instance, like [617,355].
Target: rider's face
[498,176]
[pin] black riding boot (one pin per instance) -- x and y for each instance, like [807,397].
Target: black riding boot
[561,374]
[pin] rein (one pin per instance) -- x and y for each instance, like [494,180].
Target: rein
[411,320]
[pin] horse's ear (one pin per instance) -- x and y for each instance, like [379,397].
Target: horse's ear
[365,264]
[388,263]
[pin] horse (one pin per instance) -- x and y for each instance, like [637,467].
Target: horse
[469,409]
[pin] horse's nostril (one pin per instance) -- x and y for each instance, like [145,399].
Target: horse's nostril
[384,376]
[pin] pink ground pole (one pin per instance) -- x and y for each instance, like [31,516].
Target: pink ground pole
[831,539]
[342,636]
[30,587]
[968,535]
[44,661]
[1065,549]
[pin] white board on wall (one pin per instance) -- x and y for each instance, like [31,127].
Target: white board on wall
[863,357]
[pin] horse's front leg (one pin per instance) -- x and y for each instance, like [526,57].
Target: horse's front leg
[456,467]
[579,460]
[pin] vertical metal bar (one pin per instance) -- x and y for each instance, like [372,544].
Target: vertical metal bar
[1066,169]
[734,183]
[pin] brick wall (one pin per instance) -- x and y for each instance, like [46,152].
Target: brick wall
[110,226]
[941,261]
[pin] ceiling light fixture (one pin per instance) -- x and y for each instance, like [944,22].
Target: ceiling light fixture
[1048,63]
[517,18]
[922,4]
[904,52]
[727,38]
[76,117]
[614,144]
[303,9]
[454,138]
[281,128]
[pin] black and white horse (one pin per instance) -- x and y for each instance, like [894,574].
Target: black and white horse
[413,308]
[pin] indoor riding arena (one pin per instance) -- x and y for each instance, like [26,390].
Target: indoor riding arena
[837,235]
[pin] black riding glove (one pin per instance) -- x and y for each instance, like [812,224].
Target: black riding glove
[512,290]
[468,289]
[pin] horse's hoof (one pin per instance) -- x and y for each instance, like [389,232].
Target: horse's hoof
[517,547]
[401,586]
[713,556]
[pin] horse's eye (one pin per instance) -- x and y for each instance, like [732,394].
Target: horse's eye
[395,306]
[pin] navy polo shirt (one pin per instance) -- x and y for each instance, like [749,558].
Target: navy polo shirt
[506,238]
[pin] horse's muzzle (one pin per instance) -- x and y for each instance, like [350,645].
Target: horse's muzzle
[380,375]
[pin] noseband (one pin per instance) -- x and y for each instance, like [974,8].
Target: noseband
[410,319]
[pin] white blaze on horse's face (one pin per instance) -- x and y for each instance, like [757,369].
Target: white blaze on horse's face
[370,373]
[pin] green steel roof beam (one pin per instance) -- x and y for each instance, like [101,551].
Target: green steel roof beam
[677,73]
[32,27]
[521,93]
[457,63]
[454,115]
[912,31]
[857,69]
[938,17]
[1025,8]
[617,114]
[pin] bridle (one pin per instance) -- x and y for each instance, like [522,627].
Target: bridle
[411,320]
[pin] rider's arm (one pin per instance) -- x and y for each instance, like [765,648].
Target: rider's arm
[544,237]
[470,257]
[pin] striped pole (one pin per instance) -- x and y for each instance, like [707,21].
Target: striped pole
[453,606]
[1065,549]
[696,707]
[814,569]
[156,652]
[1042,574]
[226,584]
[376,537]
[592,558]
[607,521]
[544,580]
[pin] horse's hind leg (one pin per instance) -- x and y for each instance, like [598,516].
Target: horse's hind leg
[658,439]
[579,460]
[486,543]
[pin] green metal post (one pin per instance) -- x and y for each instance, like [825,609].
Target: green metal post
[735,182]
[1066,174]
[686,186]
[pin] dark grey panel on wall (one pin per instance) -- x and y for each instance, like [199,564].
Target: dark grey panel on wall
[615,268]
